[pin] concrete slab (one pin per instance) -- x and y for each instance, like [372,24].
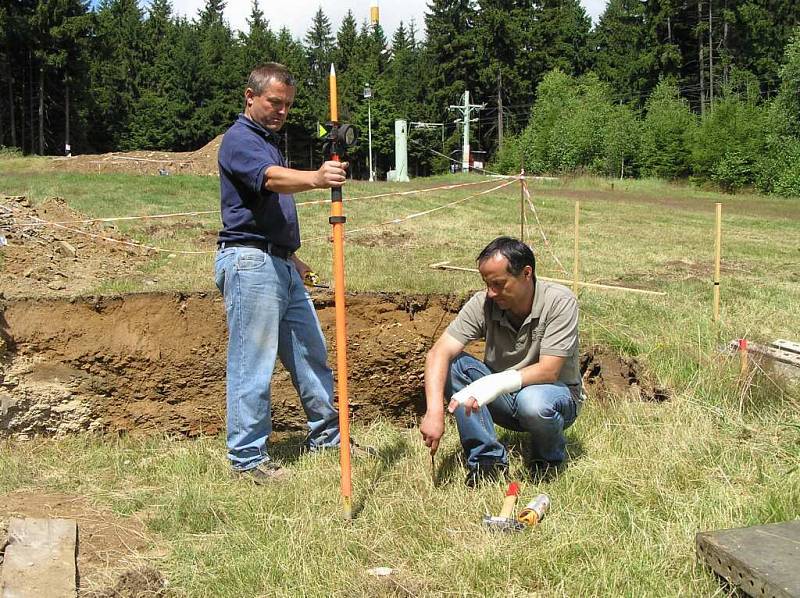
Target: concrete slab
[40,559]
[763,560]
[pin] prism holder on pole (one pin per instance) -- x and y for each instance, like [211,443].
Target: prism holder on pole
[338,139]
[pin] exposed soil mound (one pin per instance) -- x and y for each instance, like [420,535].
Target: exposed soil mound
[607,375]
[144,582]
[202,161]
[57,260]
[155,363]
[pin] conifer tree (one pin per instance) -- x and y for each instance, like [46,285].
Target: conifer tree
[259,42]
[319,56]
[219,77]
[453,50]
[620,46]
[299,133]
[115,71]
[561,36]
[60,31]
[507,76]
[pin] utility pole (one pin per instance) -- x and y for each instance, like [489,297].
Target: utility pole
[465,109]
[701,58]
[368,97]
[499,111]
[710,60]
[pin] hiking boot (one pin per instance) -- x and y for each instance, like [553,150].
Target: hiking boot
[266,472]
[486,472]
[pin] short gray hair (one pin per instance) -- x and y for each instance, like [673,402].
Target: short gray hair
[261,76]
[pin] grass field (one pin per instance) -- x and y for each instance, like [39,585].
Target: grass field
[643,478]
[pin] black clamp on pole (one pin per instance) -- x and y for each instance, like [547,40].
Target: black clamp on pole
[339,139]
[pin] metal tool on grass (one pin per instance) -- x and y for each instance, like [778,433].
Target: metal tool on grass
[505,521]
[311,279]
[339,137]
[535,510]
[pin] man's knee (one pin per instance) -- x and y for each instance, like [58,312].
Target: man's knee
[539,403]
[465,366]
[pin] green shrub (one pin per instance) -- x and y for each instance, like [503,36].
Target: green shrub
[730,141]
[787,175]
[734,171]
[10,152]
[667,126]
[509,158]
[570,128]
[622,143]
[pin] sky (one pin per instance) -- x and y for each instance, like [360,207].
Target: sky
[297,14]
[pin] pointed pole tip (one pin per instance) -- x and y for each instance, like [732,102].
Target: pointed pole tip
[333,70]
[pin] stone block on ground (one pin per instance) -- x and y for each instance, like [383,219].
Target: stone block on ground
[762,560]
[40,559]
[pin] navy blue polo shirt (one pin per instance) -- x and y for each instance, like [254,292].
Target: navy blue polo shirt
[250,213]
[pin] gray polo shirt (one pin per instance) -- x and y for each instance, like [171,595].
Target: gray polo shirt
[550,329]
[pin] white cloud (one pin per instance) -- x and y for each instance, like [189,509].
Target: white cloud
[297,14]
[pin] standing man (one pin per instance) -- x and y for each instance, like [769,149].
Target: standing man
[530,377]
[269,312]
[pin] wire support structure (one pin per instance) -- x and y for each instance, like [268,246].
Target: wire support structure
[545,240]
[65,225]
[216,212]
[417,214]
[458,162]
[111,239]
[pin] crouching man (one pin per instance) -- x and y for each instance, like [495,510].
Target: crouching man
[529,380]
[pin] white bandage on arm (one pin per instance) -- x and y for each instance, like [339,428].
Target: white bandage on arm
[487,389]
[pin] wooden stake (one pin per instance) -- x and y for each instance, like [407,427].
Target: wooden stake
[575,252]
[717,257]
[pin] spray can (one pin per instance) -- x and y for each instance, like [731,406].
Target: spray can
[535,510]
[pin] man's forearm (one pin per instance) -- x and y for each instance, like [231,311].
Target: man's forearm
[546,371]
[436,367]
[288,180]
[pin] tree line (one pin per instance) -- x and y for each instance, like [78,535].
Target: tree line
[670,88]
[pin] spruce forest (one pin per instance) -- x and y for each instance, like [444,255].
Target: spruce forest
[706,90]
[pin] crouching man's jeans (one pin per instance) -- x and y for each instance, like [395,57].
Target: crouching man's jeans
[544,410]
[271,314]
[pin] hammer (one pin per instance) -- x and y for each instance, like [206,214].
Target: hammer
[312,280]
[505,521]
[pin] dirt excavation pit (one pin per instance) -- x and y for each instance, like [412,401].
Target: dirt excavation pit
[155,363]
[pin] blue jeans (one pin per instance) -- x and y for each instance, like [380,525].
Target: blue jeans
[271,314]
[544,410]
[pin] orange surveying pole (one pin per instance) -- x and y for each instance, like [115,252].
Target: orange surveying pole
[337,220]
